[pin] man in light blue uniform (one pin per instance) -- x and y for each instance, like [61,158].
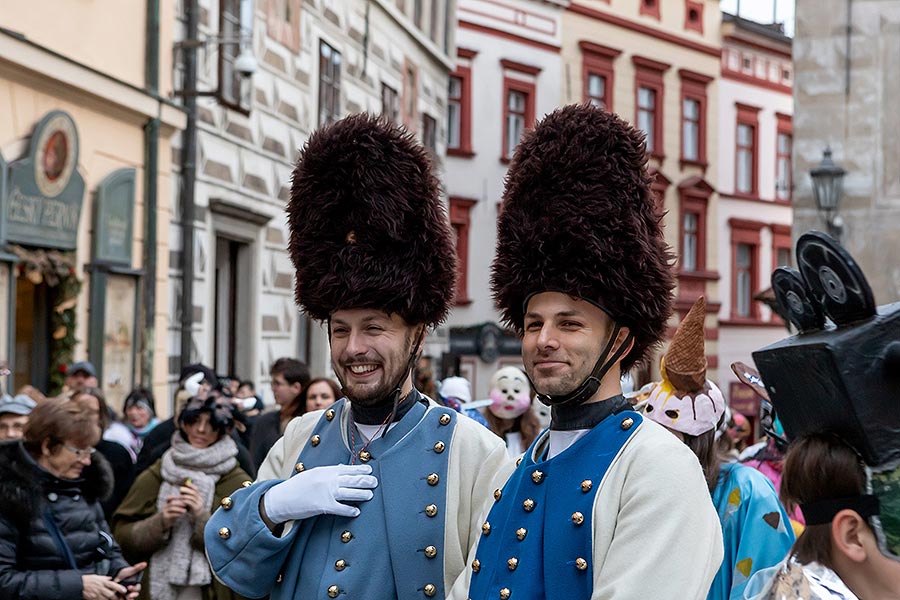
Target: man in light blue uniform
[605,504]
[379,496]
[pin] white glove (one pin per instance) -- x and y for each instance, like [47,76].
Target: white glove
[320,491]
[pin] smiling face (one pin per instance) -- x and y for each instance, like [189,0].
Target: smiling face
[65,461]
[510,393]
[138,416]
[563,340]
[369,351]
[199,433]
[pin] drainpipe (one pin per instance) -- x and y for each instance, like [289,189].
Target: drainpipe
[151,175]
[188,179]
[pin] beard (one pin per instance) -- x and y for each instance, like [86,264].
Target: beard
[393,371]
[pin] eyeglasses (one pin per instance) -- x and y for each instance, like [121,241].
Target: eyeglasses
[80,452]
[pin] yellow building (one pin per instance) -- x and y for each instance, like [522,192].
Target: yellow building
[85,190]
[656,64]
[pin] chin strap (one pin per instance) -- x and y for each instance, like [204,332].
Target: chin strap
[589,386]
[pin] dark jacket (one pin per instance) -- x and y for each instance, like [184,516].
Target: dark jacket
[265,430]
[123,474]
[33,560]
[160,439]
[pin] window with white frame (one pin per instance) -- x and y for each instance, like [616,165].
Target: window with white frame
[743,263]
[783,166]
[516,104]
[690,226]
[646,114]
[690,129]
[454,112]
[329,84]
[745,152]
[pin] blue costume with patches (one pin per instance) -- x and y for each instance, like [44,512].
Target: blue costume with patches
[756,530]
[537,540]
[392,550]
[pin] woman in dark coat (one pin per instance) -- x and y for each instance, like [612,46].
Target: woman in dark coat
[54,542]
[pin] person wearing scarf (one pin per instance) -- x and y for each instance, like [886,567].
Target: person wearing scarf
[163,516]
[140,417]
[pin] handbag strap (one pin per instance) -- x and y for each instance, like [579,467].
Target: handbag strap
[58,538]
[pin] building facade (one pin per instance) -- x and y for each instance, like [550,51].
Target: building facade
[316,61]
[656,64]
[85,179]
[846,59]
[507,75]
[755,190]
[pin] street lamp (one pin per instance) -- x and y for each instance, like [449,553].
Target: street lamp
[828,187]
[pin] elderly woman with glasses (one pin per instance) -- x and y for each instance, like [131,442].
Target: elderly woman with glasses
[54,541]
[162,518]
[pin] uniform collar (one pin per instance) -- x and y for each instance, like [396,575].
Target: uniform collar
[564,417]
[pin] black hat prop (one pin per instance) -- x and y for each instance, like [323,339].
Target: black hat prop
[841,372]
[578,217]
[367,225]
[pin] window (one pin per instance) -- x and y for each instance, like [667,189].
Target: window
[646,120]
[693,117]
[459,106]
[781,246]
[516,104]
[429,133]
[329,84]
[597,73]
[690,129]
[783,144]
[649,102]
[782,257]
[689,229]
[454,112]
[460,209]
[235,23]
[745,241]
[518,108]
[417,13]
[410,96]
[390,103]
[744,279]
[746,163]
[651,8]
[436,10]
[693,16]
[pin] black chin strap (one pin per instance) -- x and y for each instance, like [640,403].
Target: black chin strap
[589,386]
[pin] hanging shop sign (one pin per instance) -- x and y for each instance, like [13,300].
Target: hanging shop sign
[44,193]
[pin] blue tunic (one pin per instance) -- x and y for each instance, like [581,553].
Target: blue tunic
[755,529]
[392,550]
[537,540]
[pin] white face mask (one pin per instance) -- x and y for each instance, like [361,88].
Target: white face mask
[510,393]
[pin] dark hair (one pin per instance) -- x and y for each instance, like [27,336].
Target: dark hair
[293,371]
[106,415]
[706,449]
[819,467]
[59,420]
[220,411]
[334,387]
[140,394]
[247,382]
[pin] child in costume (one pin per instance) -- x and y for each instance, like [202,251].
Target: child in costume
[510,415]
[755,526]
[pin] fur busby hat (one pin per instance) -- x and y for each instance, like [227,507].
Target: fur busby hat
[578,218]
[367,226]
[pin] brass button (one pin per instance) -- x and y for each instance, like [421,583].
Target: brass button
[346,536]
[497,494]
[430,551]
[505,593]
[577,518]
[580,564]
[521,532]
[314,440]
[586,485]
[365,455]
[476,565]
[340,564]
[528,505]
[627,422]
[486,528]
[430,590]
[280,578]
[445,419]
[439,447]
[247,484]
[329,414]
[227,503]
[299,467]
[512,563]
[431,510]
[537,477]
[433,479]
[519,461]
[224,533]
[333,591]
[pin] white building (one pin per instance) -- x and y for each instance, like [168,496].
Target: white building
[318,61]
[508,74]
[755,212]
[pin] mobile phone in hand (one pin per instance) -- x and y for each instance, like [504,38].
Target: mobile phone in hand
[133,580]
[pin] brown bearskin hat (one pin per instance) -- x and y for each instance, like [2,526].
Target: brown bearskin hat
[578,217]
[367,226]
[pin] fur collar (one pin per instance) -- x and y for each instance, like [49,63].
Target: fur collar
[23,483]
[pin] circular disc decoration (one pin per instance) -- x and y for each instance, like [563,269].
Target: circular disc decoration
[796,301]
[834,279]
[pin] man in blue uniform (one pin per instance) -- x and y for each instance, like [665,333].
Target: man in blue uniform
[605,504]
[374,497]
